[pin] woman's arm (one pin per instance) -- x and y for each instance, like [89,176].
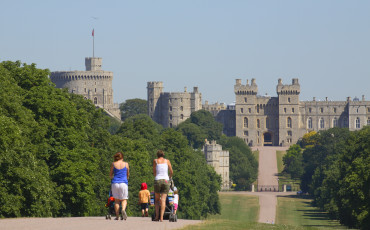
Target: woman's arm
[111,174]
[170,168]
[154,168]
[128,171]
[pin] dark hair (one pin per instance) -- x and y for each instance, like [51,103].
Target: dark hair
[160,153]
[118,156]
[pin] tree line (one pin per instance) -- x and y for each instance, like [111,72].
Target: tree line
[56,149]
[334,168]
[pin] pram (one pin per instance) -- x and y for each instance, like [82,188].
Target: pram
[169,209]
[110,207]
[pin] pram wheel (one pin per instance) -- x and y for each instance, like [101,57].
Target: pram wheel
[175,218]
[171,218]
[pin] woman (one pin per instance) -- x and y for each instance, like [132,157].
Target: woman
[119,173]
[161,166]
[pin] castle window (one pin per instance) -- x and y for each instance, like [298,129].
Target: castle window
[245,133]
[170,125]
[322,123]
[182,116]
[345,122]
[289,99]
[358,125]
[258,123]
[85,90]
[309,110]
[335,122]
[241,110]
[368,109]
[290,133]
[181,108]
[181,99]
[170,108]
[309,123]
[258,109]
[249,110]
[368,121]
[321,110]
[284,110]
[335,110]
[245,100]
[292,110]
[95,100]
[95,83]
[357,110]
[170,117]
[289,122]
[95,90]
[245,122]
[258,141]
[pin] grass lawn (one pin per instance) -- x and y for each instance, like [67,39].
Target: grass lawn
[237,211]
[297,211]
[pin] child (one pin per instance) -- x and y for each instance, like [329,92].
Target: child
[144,198]
[175,199]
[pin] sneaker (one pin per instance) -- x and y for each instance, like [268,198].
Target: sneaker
[124,215]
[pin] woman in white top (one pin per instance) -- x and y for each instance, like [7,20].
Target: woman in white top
[161,166]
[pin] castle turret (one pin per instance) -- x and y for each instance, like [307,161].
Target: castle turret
[154,92]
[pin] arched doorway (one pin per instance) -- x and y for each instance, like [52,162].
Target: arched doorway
[267,139]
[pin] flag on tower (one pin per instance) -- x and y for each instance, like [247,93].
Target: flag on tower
[93,33]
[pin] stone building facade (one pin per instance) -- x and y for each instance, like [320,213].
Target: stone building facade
[283,120]
[93,84]
[219,159]
[171,108]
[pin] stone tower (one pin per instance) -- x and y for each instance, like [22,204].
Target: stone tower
[219,160]
[289,116]
[93,84]
[171,108]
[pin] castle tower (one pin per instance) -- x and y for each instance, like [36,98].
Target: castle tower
[93,84]
[289,116]
[219,160]
[154,92]
[246,111]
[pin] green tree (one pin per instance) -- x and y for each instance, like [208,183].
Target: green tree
[293,164]
[132,107]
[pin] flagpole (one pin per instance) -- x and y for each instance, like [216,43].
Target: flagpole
[93,43]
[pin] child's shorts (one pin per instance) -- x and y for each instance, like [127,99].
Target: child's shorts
[144,206]
[176,205]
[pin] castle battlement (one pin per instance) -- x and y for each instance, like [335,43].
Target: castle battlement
[247,89]
[293,89]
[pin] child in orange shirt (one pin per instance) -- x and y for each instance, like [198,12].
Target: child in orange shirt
[144,199]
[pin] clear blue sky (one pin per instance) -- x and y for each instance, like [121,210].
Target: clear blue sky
[326,44]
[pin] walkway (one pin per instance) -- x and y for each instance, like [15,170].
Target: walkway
[268,179]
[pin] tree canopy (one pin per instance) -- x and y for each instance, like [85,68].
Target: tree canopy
[132,107]
[56,151]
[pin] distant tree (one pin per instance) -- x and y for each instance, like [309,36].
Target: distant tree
[293,164]
[243,165]
[132,107]
[309,139]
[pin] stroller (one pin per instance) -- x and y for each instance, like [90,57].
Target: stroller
[169,209]
[110,206]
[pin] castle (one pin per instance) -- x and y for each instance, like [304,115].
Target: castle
[93,84]
[261,120]
[219,160]
[170,109]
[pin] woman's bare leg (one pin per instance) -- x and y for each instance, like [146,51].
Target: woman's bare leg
[163,205]
[157,204]
[116,207]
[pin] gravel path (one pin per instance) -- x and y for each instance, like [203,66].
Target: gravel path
[268,179]
[90,223]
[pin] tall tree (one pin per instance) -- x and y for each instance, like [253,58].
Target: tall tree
[132,107]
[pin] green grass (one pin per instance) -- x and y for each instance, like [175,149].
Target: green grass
[237,211]
[297,211]
[284,178]
[256,154]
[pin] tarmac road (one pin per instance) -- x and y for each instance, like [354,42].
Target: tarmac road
[90,223]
